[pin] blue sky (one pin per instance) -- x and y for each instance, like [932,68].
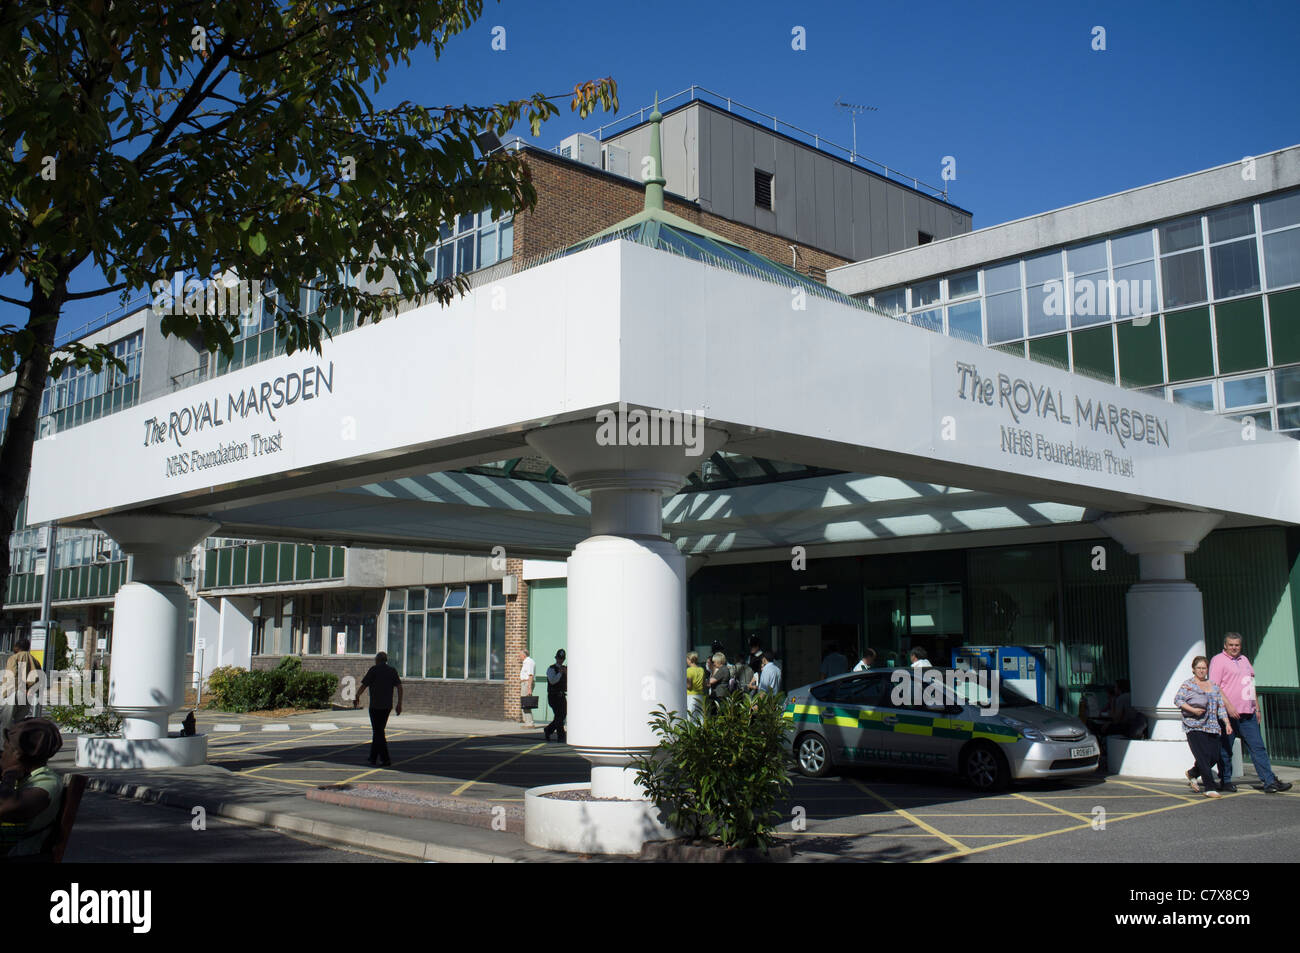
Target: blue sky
[1034,116]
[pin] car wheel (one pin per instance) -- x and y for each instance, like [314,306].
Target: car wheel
[813,756]
[984,768]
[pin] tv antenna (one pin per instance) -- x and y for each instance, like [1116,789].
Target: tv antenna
[855,110]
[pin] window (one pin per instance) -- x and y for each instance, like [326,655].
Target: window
[763,189]
[864,690]
[450,632]
[963,285]
[1005,318]
[1183,279]
[924,295]
[1200,396]
[965,321]
[890,302]
[924,238]
[1180,235]
[1245,392]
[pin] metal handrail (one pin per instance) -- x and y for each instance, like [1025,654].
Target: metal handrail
[121,311]
[821,143]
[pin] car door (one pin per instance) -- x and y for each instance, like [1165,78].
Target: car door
[861,703]
[925,727]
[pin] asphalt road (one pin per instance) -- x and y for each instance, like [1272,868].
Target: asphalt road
[117,830]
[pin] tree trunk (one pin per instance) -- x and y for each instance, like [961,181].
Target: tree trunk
[24,412]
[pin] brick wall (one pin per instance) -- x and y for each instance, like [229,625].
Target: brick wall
[516,637]
[576,201]
[468,699]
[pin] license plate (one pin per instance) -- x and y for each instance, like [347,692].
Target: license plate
[1085,752]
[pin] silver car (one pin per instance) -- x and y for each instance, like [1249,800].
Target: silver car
[938,719]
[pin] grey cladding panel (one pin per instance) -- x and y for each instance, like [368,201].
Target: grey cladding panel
[783,162]
[879,217]
[719,158]
[861,225]
[805,198]
[844,194]
[824,191]
[742,173]
[897,222]
[911,218]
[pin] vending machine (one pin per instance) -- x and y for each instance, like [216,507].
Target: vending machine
[1029,669]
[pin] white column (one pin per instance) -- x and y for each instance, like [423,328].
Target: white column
[149,644]
[626,629]
[207,635]
[236,645]
[1166,630]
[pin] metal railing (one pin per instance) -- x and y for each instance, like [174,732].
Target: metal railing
[105,319]
[821,143]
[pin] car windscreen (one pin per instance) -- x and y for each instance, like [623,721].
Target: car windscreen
[966,688]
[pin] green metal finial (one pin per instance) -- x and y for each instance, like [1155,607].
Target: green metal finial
[655,182]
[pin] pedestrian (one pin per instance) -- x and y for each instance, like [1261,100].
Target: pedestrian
[694,684]
[17,683]
[769,675]
[867,660]
[557,688]
[720,680]
[29,790]
[381,679]
[1232,672]
[919,657]
[834,663]
[1203,712]
[527,674]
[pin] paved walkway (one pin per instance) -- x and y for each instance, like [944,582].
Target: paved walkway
[260,770]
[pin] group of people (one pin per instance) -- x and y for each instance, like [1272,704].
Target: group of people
[758,671]
[1218,706]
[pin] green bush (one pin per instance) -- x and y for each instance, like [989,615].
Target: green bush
[57,657]
[219,682]
[285,686]
[80,718]
[723,775]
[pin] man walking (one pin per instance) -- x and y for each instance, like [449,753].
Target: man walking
[557,687]
[1232,672]
[381,679]
[527,672]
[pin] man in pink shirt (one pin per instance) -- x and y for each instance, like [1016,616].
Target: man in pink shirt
[1232,672]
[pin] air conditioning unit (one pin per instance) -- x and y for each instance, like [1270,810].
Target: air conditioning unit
[583,148]
[617,160]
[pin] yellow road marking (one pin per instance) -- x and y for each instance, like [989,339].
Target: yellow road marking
[1181,797]
[303,737]
[501,764]
[357,777]
[881,834]
[1065,830]
[1050,807]
[1014,814]
[912,818]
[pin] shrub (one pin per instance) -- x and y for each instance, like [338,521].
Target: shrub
[219,682]
[720,776]
[285,686]
[81,718]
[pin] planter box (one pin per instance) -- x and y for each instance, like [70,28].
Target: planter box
[687,851]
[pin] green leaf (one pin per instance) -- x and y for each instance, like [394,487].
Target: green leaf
[257,244]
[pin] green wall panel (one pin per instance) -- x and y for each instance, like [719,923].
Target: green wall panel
[1094,352]
[271,562]
[255,564]
[1239,332]
[1018,349]
[1284,324]
[1054,350]
[239,566]
[223,567]
[320,562]
[1188,345]
[1140,364]
[337,562]
[548,621]
[286,562]
[302,563]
